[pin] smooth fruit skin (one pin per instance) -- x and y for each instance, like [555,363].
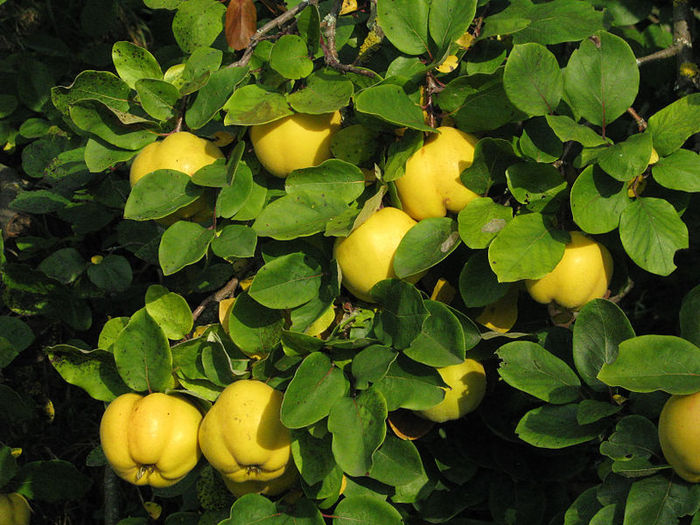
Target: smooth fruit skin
[14,509]
[151,440]
[467,382]
[294,142]
[366,256]
[431,185]
[242,436]
[679,435]
[583,274]
[181,151]
[273,487]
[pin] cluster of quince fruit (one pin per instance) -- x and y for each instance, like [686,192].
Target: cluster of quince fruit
[157,439]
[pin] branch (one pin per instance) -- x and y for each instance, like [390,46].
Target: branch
[217,296]
[329,51]
[272,24]
[641,123]
[660,55]
[683,38]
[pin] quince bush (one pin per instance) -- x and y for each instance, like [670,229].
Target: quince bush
[316,313]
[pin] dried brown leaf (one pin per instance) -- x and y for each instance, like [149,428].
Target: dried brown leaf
[241,23]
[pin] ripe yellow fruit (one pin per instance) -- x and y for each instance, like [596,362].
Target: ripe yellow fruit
[225,306]
[242,436]
[294,142]
[273,487]
[151,440]
[679,435]
[431,185]
[14,509]
[181,151]
[366,256]
[583,274]
[467,382]
[501,315]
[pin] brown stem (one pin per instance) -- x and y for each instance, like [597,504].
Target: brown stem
[217,296]
[272,24]
[641,123]
[330,52]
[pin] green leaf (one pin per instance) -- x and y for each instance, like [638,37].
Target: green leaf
[391,104]
[233,196]
[34,81]
[532,79]
[441,339]
[102,86]
[403,311]
[17,334]
[599,329]
[158,98]
[298,214]
[325,92]
[690,316]
[555,427]
[64,265]
[397,462]
[197,23]
[602,78]
[651,232]
[671,126]
[113,274]
[100,156]
[182,244]
[449,20]
[425,245]
[530,368]
[358,426]
[289,57]
[134,63]
[539,186]
[365,509]
[250,105]
[316,386]
[625,160]
[655,362]
[8,465]
[110,331]
[411,385]
[597,201]
[481,220]
[333,177]
[234,241]
[287,281]
[405,24]
[655,500]
[371,364]
[355,144]
[478,285]
[634,437]
[253,508]
[142,354]
[52,481]
[590,411]
[527,248]
[566,129]
[170,311]
[255,329]
[95,119]
[679,171]
[399,152]
[93,371]
[312,456]
[491,159]
[212,96]
[539,142]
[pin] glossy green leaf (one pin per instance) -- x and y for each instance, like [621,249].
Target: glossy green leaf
[325,92]
[251,104]
[182,244]
[355,144]
[371,364]
[391,104]
[634,437]
[555,427]
[18,336]
[113,274]
[481,220]
[679,171]
[170,311]
[425,245]
[142,354]
[102,86]
[253,508]
[491,159]
[539,142]
[134,63]
[527,248]
[651,232]
[602,78]
[584,507]
[396,462]
[110,331]
[690,316]
[411,385]
[312,456]
[235,240]
[399,152]
[212,97]
[255,329]
[529,367]
[314,389]
[335,177]
[64,265]
[599,329]
[671,126]
[403,311]
[539,186]
[405,24]
[591,410]
[597,200]
[657,499]
[478,285]
[100,156]
[449,20]
[93,371]
[625,160]
[97,120]
[567,129]
[197,23]
[233,197]
[158,98]
[441,340]
[532,79]
[655,362]
[289,57]
[52,481]
[358,426]
[287,281]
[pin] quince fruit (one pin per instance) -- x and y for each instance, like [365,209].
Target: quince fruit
[151,440]
[14,509]
[501,315]
[582,274]
[366,256]
[273,487]
[181,151]
[430,186]
[467,387]
[242,436]
[294,142]
[679,435]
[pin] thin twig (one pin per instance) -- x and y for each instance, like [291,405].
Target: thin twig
[272,24]
[660,55]
[329,50]
[641,123]
[217,296]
